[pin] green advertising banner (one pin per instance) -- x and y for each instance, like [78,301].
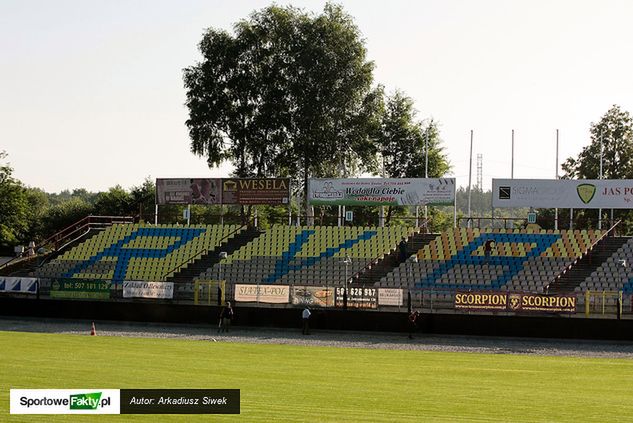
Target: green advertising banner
[81,288]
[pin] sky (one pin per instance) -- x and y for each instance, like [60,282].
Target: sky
[91,92]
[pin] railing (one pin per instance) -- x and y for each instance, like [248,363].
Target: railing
[609,232]
[333,220]
[203,251]
[470,221]
[588,304]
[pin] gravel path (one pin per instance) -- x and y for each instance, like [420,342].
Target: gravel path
[373,340]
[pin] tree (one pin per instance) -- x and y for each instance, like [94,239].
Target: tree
[143,198]
[38,203]
[613,135]
[289,94]
[114,202]
[13,207]
[403,141]
[64,214]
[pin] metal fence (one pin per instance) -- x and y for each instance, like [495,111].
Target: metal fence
[588,304]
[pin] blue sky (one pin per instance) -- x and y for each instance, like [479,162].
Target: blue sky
[91,92]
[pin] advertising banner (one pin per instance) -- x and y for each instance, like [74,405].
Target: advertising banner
[313,296]
[560,193]
[142,289]
[516,302]
[390,296]
[273,294]
[18,285]
[356,297]
[246,191]
[382,192]
[188,191]
[536,302]
[80,288]
[481,300]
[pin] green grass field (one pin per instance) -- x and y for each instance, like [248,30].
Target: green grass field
[293,383]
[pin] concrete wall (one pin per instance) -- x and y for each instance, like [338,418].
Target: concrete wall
[457,324]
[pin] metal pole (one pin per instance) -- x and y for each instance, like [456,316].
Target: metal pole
[417,216]
[512,160]
[188,214]
[470,175]
[156,215]
[381,217]
[454,207]
[556,210]
[600,177]
[348,260]
[426,171]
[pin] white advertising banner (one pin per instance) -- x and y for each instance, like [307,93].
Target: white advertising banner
[143,289]
[382,192]
[274,294]
[64,401]
[18,285]
[390,296]
[563,193]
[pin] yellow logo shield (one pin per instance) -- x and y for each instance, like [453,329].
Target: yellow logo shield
[586,192]
[515,301]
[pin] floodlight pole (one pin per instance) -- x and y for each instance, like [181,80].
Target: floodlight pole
[512,159]
[470,176]
[600,177]
[426,173]
[556,209]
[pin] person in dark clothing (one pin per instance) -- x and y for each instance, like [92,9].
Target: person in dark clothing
[413,323]
[488,250]
[305,318]
[226,315]
[403,250]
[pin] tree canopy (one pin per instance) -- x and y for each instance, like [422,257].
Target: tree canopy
[288,93]
[403,141]
[13,206]
[613,134]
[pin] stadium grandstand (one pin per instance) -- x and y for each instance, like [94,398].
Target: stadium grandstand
[530,261]
[386,268]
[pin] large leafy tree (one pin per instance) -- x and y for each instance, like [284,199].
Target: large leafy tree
[403,141]
[288,93]
[14,210]
[613,135]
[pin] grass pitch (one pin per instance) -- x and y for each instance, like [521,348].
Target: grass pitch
[294,383]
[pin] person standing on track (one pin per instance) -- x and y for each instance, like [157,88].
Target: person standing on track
[413,323]
[305,317]
[226,315]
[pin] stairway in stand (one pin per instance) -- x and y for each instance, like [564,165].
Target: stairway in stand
[392,260]
[193,269]
[571,279]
